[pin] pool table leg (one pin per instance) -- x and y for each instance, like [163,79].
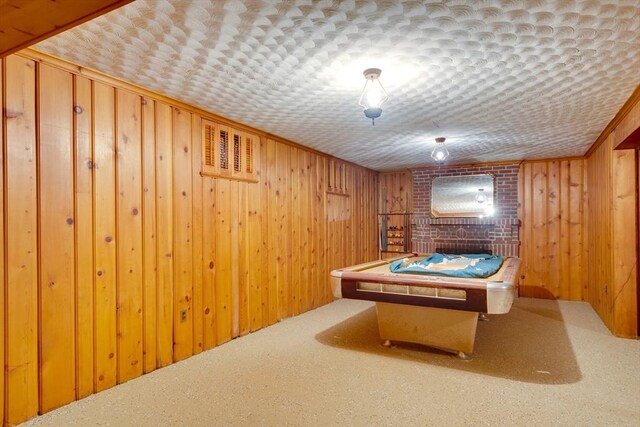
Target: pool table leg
[451,330]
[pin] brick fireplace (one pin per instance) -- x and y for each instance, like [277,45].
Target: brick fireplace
[499,233]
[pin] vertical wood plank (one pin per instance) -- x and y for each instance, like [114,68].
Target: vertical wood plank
[371,212]
[196,190]
[608,234]
[255,254]
[590,219]
[373,226]
[56,238]
[183,246]
[244,261]
[351,206]
[265,225]
[565,236]
[295,227]
[605,229]
[235,258]
[586,221]
[129,239]
[149,240]
[375,209]
[283,236]
[366,215]
[209,263]
[223,284]
[575,233]
[21,328]
[526,248]
[554,195]
[273,229]
[624,225]
[323,276]
[539,232]
[600,250]
[315,238]
[357,239]
[596,199]
[304,191]
[164,207]
[3,269]
[104,236]
[84,236]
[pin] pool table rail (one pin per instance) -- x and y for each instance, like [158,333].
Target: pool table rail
[373,281]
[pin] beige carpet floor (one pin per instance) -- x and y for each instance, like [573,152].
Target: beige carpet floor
[546,363]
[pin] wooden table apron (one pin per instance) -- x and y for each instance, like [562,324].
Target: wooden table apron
[476,298]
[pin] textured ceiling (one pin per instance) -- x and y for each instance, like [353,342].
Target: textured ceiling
[500,79]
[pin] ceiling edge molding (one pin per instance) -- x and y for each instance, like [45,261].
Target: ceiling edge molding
[93,74]
[626,108]
[554,159]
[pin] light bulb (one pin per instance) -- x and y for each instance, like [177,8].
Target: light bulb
[373,97]
[440,152]
[373,94]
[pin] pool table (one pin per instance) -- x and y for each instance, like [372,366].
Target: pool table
[436,311]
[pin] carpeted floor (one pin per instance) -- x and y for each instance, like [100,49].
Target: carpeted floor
[546,363]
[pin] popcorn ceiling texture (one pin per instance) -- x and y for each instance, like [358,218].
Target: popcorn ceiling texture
[501,79]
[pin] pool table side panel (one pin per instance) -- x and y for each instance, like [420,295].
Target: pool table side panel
[476,298]
[493,295]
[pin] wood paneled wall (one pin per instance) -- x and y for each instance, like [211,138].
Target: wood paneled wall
[119,258]
[612,229]
[396,192]
[580,230]
[551,212]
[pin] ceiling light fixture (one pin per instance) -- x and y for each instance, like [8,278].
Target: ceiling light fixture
[481,197]
[373,95]
[440,152]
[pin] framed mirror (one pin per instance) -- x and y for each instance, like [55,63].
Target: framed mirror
[469,196]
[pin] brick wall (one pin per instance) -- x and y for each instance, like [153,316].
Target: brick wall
[498,233]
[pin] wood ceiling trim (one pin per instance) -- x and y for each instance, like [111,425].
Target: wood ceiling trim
[26,23]
[632,141]
[619,117]
[102,77]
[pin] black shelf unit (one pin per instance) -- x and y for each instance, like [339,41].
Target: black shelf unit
[394,233]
